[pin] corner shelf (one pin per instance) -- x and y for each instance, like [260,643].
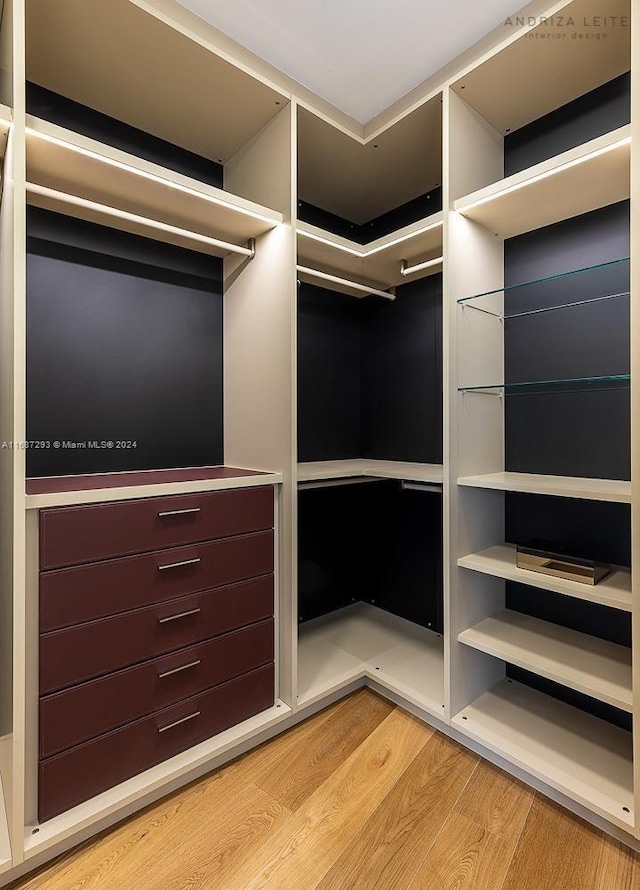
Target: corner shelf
[610,490]
[577,181]
[381,469]
[362,641]
[380,260]
[581,756]
[582,662]
[500,562]
[71,164]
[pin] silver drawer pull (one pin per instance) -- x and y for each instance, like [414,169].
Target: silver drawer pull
[178,722]
[178,512]
[178,565]
[178,670]
[179,615]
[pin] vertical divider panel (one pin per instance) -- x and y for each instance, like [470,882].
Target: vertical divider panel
[474,424]
[12,434]
[259,350]
[635,389]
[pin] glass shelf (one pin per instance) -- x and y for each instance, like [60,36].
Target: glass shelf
[533,387]
[580,281]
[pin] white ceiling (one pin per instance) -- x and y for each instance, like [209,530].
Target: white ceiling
[361,55]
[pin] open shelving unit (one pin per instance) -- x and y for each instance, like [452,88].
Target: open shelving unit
[481,229]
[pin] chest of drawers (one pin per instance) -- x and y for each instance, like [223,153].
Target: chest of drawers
[156,633]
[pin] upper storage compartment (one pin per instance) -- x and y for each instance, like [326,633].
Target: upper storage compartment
[556,144]
[120,131]
[370,209]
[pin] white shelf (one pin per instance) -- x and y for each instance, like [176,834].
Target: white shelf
[500,561]
[611,490]
[64,491]
[6,116]
[380,469]
[72,164]
[579,755]
[582,662]
[362,641]
[378,261]
[577,181]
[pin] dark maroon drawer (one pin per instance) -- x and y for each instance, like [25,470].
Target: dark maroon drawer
[92,709]
[73,535]
[67,779]
[76,654]
[84,593]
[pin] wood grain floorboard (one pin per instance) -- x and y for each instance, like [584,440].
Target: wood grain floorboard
[300,853]
[618,867]
[387,850]
[465,856]
[556,849]
[496,801]
[299,772]
[378,801]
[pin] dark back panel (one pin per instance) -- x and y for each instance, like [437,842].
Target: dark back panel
[402,374]
[571,697]
[124,343]
[372,542]
[404,547]
[329,359]
[597,112]
[334,568]
[412,211]
[588,529]
[58,109]
[577,433]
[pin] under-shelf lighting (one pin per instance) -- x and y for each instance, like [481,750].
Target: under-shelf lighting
[540,176]
[419,267]
[362,254]
[145,174]
[105,209]
[354,285]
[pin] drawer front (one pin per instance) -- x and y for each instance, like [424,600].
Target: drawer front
[68,779]
[73,535]
[92,709]
[85,593]
[76,654]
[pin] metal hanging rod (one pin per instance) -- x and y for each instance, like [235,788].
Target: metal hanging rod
[431,487]
[75,201]
[334,483]
[419,267]
[355,285]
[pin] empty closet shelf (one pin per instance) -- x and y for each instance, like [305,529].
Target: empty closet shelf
[582,662]
[534,387]
[615,490]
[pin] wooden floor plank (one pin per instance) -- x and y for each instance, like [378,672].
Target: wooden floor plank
[556,849]
[299,772]
[618,867]
[496,801]
[300,853]
[388,849]
[465,856]
[392,808]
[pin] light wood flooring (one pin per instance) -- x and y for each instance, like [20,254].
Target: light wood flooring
[360,797]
